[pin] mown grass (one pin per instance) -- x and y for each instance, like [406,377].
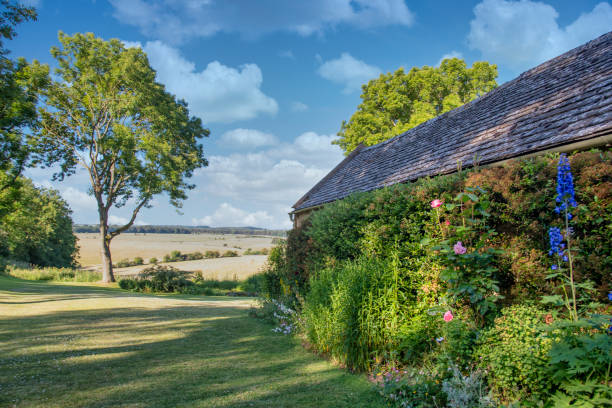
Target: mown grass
[67,345]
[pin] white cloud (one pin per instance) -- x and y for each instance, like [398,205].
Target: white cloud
[116,220]
[78,199]
[452,54]
[298,106]
[178,20]
[287,54]
[521,34]
[348,71]
[216,94]
[273,177]
[246,138]
[228,216]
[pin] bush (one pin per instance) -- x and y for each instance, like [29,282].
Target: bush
[229,254]
[153,261]
[164,279]
[514,352]
[263,251]
[466,390]
[212,254]
[137,261]
[252,284]
[36,226]
[124,263]
[402,390]
[458,345]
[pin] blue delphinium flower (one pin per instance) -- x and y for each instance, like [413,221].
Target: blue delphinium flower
[610,296]
[565,186]
[556,241]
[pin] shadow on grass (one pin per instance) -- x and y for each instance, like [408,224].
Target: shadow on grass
[171,355]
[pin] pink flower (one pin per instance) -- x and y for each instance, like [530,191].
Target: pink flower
[448,316]
[436,203]
[459,248]
[447,222]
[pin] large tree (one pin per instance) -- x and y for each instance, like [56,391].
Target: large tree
[108,115]
[20,83]
[398,101]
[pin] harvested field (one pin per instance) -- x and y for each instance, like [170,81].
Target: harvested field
[147,246]
[220,268]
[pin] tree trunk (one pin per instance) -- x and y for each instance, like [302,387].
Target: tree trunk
[107,262]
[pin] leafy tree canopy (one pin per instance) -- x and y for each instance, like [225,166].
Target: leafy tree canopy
[398,101]
[20,83]
[38,229]
[108,115]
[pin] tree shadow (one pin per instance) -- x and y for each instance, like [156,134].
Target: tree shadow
[180,353]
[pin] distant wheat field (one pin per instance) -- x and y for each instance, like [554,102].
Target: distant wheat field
[148,246]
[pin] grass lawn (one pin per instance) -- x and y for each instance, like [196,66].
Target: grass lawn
[80,345]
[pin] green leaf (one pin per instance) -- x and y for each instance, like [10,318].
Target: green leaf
[554,300]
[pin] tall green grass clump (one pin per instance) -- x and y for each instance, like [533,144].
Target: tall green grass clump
[55,274]
[357,312]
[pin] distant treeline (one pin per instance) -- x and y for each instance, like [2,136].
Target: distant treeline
[184,229]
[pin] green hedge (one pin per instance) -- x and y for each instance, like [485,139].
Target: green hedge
[522,202]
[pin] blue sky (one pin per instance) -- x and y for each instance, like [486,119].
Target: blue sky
[273,79]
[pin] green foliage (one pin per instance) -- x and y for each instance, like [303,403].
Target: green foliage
[467,254]
[402,390]
[514,352]
[229,254]
[39,229]
[354,311]
[252,284]
[126,263]
[459,340]
[396,102]
[581,361]
[399,217]
[175,256]
[153,261]
[159,278]
[368,289]
[273,273]
[20,83]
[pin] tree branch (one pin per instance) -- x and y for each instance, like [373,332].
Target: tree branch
[118,231]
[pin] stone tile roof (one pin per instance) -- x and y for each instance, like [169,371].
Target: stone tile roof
[564,100]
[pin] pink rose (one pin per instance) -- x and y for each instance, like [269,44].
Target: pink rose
[448,316]
[436,203]
[459,248]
